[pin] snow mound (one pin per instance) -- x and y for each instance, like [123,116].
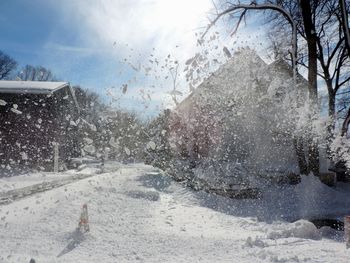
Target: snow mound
[315,198]
[299,229]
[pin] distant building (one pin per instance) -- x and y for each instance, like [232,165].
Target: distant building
[34,116]
[240,114]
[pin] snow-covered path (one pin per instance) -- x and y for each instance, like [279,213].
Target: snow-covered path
[7,197]
[138,215]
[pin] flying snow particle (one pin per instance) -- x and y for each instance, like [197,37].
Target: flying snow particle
[72,123]
[2,102]
[151,145]
[172,145]
[24,156]
[175,93]
[88,140]
[124,88]
[89,148]
[227,52]
[14,110]
[113,143]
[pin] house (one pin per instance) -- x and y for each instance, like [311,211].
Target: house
[34,116]
[241,113]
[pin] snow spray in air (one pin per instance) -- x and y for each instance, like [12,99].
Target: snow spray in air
[84,220]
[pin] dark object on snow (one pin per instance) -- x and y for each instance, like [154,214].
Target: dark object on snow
[294,179]
[289,179]
[342,172]
[147,195]
[328,179]
[32,260]
[333,223]
[242,193]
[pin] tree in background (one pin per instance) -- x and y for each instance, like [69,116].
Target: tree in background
[322,38]
[124,134]
[7,65]
[35,73]
[345,22]
[104,130]
[333,63]
[91,108]
[158,151]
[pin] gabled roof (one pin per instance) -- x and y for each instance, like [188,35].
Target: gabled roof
[282,66]
[30,87]
[246,58]
[250,59]
[35,87]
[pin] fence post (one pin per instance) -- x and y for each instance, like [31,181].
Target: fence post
[55,157]
[347,231]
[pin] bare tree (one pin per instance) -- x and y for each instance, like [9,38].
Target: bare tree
[38,73]
[233,8]
[329,19]
[7,65]
[345,23]
[323,26]
[311,39]
[330,46]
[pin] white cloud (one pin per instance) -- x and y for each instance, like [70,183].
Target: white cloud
[133,29]
[140,24]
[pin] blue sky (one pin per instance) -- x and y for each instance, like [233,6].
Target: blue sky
[35,32]
[86,42]
[93,43]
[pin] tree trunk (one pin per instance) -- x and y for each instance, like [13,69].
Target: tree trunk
[346,122]
[311,39]
[345,24]
[331,115]
[300,152]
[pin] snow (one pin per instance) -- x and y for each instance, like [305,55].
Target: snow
[14,110]
[3,103]
[151,145]
[137,214]
[24,180]
[299,229]
[20,181]
[31,87]
[127,151]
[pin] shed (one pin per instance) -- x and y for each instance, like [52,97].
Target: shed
[34,116]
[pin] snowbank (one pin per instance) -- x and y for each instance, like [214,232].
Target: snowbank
[300,229]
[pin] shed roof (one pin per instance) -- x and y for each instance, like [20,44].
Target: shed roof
[30,87]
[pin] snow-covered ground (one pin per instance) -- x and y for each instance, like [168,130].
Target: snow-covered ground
[25,180]
[138,215]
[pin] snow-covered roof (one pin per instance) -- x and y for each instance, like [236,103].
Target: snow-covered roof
[242,59]
[30,87]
